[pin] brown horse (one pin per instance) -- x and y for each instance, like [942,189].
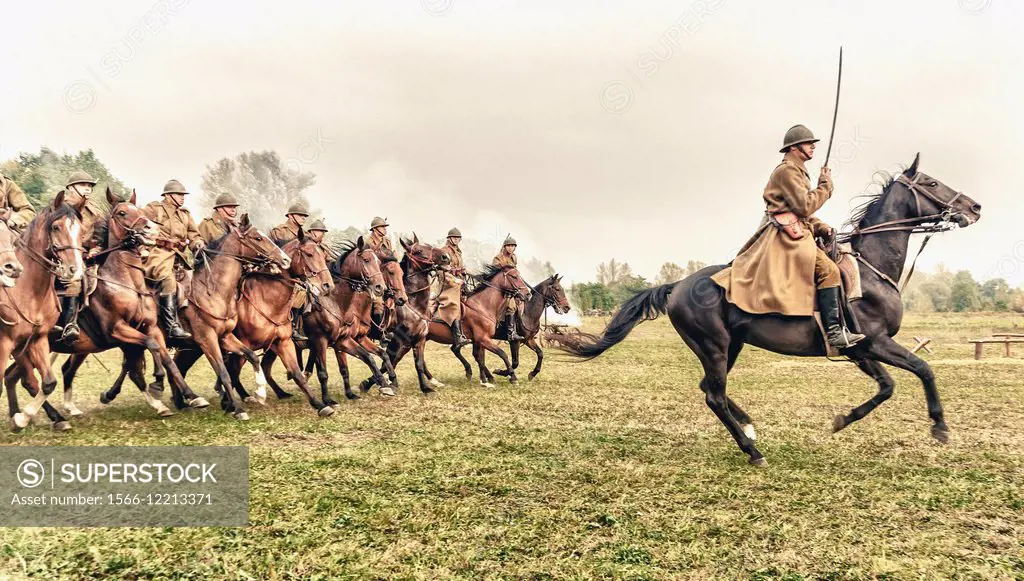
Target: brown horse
[264,316]
[343,316]
[213,304]
[549,293]
[50,249]
[122,312]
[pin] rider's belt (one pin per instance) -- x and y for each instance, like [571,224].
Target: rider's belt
[168,244]
[789,223]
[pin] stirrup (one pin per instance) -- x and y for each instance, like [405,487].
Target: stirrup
[844,338]
[69,334]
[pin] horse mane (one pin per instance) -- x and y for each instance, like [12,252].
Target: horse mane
[342,250]
[490,271]
[201,257]
[870,200]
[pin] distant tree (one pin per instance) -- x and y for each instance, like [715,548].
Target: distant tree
[964,293]
[693,266]
[264,185]
[41,175]
[626,287]
[608,273]
[996,295]
[670,272]
[589,296]
[534,270]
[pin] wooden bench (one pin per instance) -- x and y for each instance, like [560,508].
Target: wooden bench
[1004,338]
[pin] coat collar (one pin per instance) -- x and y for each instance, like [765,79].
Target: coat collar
[791,158]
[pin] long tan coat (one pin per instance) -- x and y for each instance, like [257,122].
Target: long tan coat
[11,196]
[284,233]
[450,299]
[176,226]
[774,273]
[508,260]
[375,242]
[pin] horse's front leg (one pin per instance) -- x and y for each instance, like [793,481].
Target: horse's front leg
[286,351]
[380,352]
[532,344]
[38,355]
[488,344]
[68,372]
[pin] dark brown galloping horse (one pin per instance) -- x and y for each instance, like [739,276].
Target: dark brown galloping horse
[549,293]
[122,311]
[716,330]
[343,315]
[51,248]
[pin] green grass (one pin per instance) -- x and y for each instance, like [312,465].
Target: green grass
[611,468]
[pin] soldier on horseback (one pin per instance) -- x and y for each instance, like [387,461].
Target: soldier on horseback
[15,209]
[317,231]
[297,215]
[379,239]
[225,210]
[177,232]
[449,300]
[76,193]
[777,270]
[506,258]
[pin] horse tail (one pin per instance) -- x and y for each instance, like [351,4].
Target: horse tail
[645,305]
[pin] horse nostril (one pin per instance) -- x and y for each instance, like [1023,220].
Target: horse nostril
[976,208]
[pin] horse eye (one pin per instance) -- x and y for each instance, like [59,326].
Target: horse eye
[933,184]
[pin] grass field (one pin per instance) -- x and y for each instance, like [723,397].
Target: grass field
[611,468]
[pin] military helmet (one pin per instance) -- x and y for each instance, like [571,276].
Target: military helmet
[454,233]
[509,241]
[80,177]
[317,226]
[225,200]
[377,222]
[298,208]
[174,187]
[796,135]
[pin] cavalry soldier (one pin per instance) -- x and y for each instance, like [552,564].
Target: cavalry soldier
[506,258]
[379,235]
[15,209]
[317,230]
[177,232]
[449,300]
[777,270]
[76,193]
[281,235]
[225,210]
[294,219]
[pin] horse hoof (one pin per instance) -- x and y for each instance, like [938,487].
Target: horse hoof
[20,420]
[469,375]
[748,429]
[62,427]
[198,403]
[73,411]
[486,384]
[285,395]
[307,375]
[241,416]
[325,412]
[352,396]
[759,462]
[330,402]
[500,372]
[165,413]
[436,383]
[104,399]
[940,434]
[251,399]
[387,391]
[531,376]
[838,423]
[427,390]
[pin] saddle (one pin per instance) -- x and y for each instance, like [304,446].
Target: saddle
[851,290]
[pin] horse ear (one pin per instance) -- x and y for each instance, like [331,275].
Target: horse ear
[133,198]
[110,197]
[415,238]
[359,243]
[244,223]
[58,200]
[302,234]
[912,170]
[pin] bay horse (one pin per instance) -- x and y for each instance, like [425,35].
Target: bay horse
[122,312]
[213,305]
[716,330]
[264,316]
[548,293]
[343,315]
[50,249]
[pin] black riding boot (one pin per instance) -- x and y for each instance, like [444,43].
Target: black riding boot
[169,319]
[296,321]
[458,338]
[838,335]
[512,334]
[67,325]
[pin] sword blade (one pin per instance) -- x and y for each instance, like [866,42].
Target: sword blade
[835,112]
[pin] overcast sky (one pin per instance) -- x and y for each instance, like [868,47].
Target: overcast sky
[641,130]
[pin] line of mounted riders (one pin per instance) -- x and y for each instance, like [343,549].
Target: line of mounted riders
[76,281]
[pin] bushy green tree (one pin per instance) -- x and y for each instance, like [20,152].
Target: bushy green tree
[264,185]
[41,175]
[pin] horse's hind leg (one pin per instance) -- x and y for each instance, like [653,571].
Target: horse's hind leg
[135,361]
[885,387]
[462,359]
[68,372]
[267,363]
[737,412]
[108,397]
[22,370]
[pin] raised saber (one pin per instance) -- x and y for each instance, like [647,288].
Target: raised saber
[835,113]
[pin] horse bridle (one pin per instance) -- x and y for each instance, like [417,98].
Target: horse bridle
[261,261]
[930,223]
[513,291]
[365,279]
[52,265]
[431,268]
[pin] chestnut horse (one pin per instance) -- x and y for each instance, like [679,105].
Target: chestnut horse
[122,312]
[264,316]
[716,330]
[50,249]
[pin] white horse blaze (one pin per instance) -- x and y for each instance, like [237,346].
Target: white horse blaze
[75,228]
